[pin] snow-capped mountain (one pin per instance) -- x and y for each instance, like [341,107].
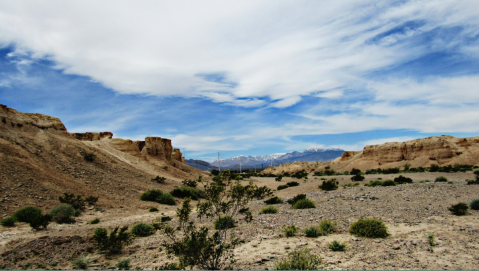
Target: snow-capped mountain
[261,161]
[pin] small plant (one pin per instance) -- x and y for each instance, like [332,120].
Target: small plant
[165,219]
[158,179]
[123,264]
[431,239]
[329,185]
[190,183]
[88,156]
[274,200]
[301,259]
[348,185]
[327,226]
[225,222]
[304,204]
[63,214]
[142,230]
[369,227]
[459,209]
[114,242]
[76,202]
[165,168]
[474,204]
[337,246]
[476,181]
[374,183]
[34,217]
[172,266]
[389,183]
[283,186]
[184,192]
[290,231]
[269,210]
[441,179]
[291,184]
[151,195]
[279,178]
[167,199]
[8,221]
[262,192]
[153,209]
[81,263]
[296,199]
[312,232]
[94,221]
[401,180]
[357,178]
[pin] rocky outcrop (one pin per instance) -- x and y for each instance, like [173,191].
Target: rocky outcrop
[152,148]
[93,136]
[15,119]
[177,155]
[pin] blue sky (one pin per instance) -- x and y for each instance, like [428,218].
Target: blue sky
[246,77]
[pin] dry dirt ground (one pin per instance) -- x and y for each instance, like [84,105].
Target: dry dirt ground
[409,211]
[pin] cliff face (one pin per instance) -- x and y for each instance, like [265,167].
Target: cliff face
[19,120]
[152,148]
[93,136]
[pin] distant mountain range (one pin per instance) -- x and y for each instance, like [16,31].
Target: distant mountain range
[263,161]
[200,164]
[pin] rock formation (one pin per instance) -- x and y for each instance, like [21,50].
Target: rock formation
[93,136]
[19,119]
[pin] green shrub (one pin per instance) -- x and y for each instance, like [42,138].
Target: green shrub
[329,185]
[350,185]
[165,218]
[151,195]
[296,199]
[374,183]
[337,246]
[283,186]
[153,209]
[190,183]
[369,227]
[304,204]
[312,232]
[279,178]
[34,217]
[225,222]
[88,156]
[431,238]
[357,178]
[474,204]
[81,263]
[476,181]
[401,179]
[262,192]
[63,214]
[172,266]
[441,179]
[389,183]
[269,210]
[185,192]
[8,221]
[114,242]
[274,200]
[158,179]
[459,209]
[291,184]
[123,264]
[290,231]
[301,259]
[142,230]
[94,221]
[327,226]
[166,198]
[355,171]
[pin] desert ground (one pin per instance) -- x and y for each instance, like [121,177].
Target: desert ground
[410,211]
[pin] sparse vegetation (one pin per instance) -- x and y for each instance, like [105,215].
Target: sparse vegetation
[337,246]
[441,179]
[348,185]
[291,184]
[114,242]
[153,209]
[283,186]
[269,210]
[225,222]
[290,231]
[88,156]
[329,185]
[369,227]
[81,263]
[185,192]
[474,204]
[301,259]
[274,200]
[459,209]
[402,180]
[8,221]
[63,214]
[123,264]
[34,217]
[300,174]
[166,198]
[304,204]
[190,183]
[279,178]
[76,202]
[312,232]
[142,230]
[327,226]
[357,178]
[151,195]
[158,179]
[374,183]
[389,183]
[296,199]
[94,221]
[431,238]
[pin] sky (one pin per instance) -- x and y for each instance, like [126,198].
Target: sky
[246,77]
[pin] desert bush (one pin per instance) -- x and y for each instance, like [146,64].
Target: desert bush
[393,170]
[8,221]
[389,183]
[81,263]
[88,156]
[304,204]
[63,214]
[279,178]
[476,181]
[459,209]
[296,199]
[153,209]
[185,192]
[374,183]
[337,246]
[91,200]
[355,171]
[350,185]
[94,221]
[291,184]
[34,217]
[190,183]
[76,202]
[261,192]
[151,195]
[166,198]
[369,227]
[114,242]
[474,204]
[327,226]
[300,174]
[283,186]
[142,230]
[123,264]
[441,179]
[158,179]
[274,200]
[165,218]
[401,179]
[329,185]
[312,232]
[171,266]
[269,210]
[357,178]
[431,238]
[301,259]
[290,231]
[225,222]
